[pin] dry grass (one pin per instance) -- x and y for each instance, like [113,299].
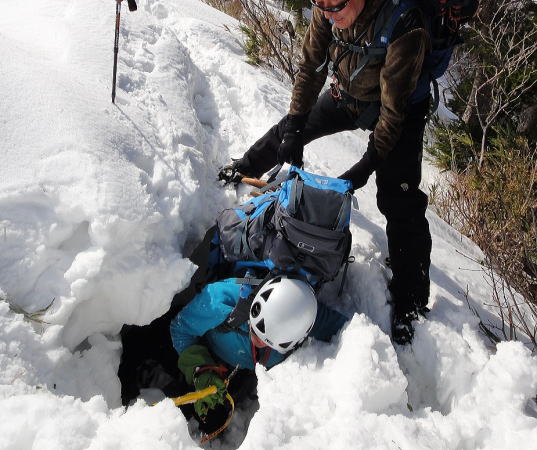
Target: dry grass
[35,317]
[232,8]
[268,39]
[496,207]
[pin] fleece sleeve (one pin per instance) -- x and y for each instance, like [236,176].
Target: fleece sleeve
[309,82]
[398,79]
[327,323]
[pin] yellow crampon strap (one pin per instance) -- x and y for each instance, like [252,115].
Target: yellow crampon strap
[193,397]
[226,423]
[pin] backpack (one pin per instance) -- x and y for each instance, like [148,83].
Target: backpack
[301,228]
[443,21]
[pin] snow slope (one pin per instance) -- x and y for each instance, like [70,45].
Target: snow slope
[100,204]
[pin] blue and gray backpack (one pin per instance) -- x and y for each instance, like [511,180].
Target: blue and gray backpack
[302,227]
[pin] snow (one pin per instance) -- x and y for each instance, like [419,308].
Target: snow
[101,204]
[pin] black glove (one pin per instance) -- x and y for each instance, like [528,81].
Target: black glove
[231,173]
[362,170]
[291,148]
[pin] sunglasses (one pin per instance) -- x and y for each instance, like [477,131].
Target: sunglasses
[332,9]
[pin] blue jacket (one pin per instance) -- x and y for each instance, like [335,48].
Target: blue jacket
[212,306]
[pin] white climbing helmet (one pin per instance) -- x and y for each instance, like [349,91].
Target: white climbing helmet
[283,313]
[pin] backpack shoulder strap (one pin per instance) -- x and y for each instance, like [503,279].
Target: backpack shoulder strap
[387,18]
[295,195]
[241,311]
[343,216]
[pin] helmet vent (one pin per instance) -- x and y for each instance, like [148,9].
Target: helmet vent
[286,344]
[265,295]
[256,309]
[261,326]
[276,280]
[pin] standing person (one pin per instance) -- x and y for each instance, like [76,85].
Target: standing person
[368,92]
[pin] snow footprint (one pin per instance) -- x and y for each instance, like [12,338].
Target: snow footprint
[130,83]
[157,9]
[137,56]
[144,59]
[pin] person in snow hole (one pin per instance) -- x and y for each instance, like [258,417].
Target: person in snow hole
[375,98]
[284,311]
[193,346]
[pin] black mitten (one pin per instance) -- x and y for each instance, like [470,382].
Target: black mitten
[291,149]
[362,170]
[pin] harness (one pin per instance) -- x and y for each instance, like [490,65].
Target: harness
[374,52]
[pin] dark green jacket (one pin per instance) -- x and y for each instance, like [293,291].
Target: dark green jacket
[391,82]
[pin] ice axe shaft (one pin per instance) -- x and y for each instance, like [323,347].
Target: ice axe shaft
[259,184]
[254,182]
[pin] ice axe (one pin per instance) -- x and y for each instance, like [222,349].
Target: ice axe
[132,7]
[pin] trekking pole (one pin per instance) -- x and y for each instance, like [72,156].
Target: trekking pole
[116,42]
[132,7]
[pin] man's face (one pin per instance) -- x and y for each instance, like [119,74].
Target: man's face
[346,16]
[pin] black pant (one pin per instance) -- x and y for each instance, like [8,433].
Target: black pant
[399,198]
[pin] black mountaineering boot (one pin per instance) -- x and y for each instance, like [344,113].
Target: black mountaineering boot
[409,296]
[402,328]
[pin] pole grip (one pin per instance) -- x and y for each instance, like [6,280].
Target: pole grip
[132,5]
